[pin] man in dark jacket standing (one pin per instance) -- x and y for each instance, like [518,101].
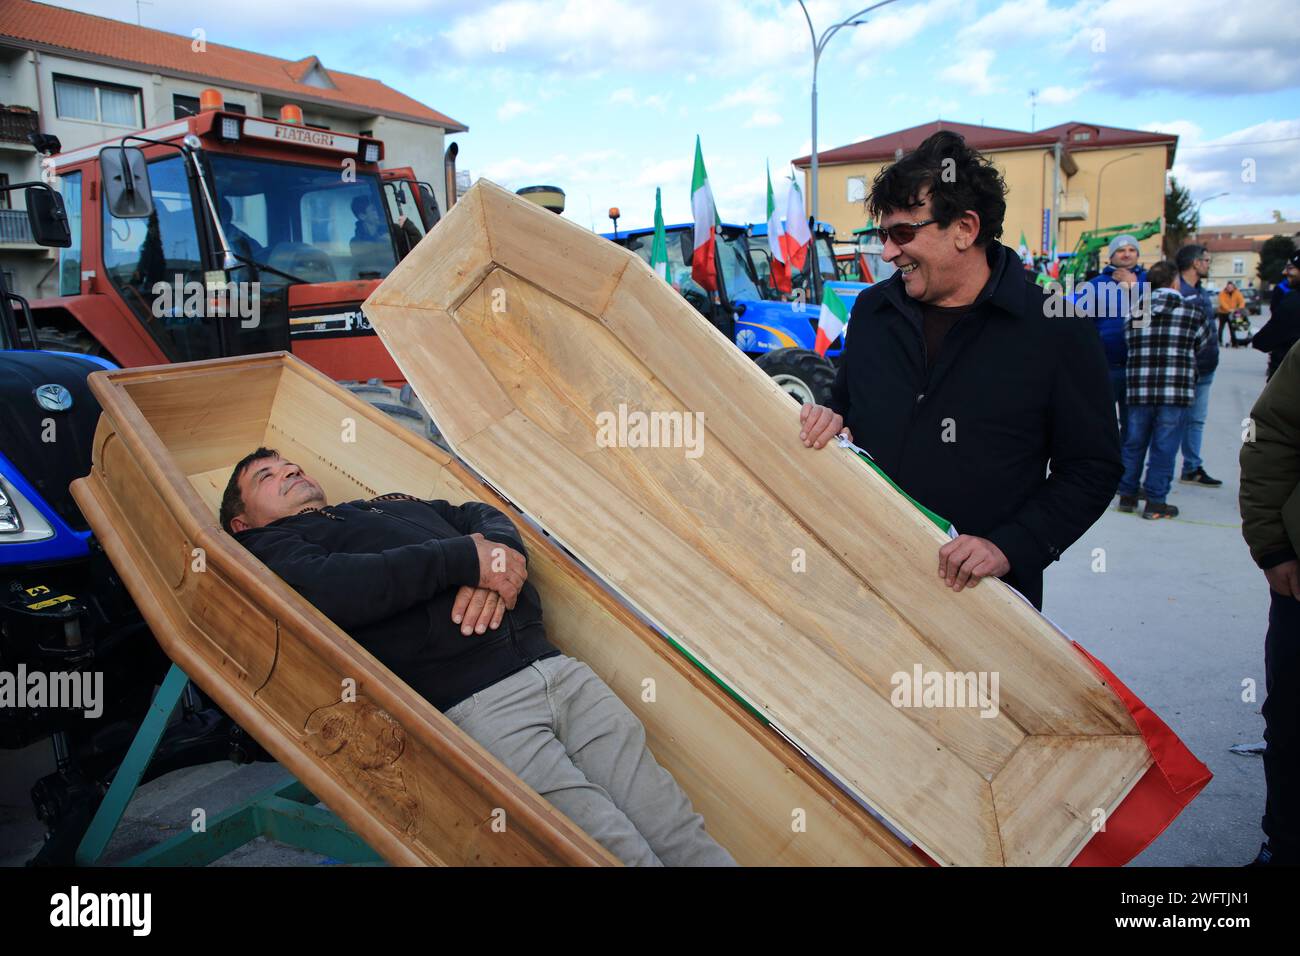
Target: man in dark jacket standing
[1282,330]
[965,381]
[1270,523]
[425,586]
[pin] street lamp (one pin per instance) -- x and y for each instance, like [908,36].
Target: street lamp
[818,47]
[1099,172]
[1197,216]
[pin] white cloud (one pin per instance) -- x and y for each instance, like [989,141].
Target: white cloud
[666,171]
[758,93]
[625,35]
[1258,166]
[582,168]
[970,74]
[1206,46]
[627,96]
[761,118]
[892,26]
[510,109]
[1018,20]
[1060,95]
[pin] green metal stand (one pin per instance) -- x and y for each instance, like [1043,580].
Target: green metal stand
[285,812]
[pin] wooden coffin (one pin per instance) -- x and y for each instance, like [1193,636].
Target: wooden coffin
[798,577]
[405,778]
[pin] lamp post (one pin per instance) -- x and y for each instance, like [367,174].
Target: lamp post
[818,47]
[1197,215]
[1118,159]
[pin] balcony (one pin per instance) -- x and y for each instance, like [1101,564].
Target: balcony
[1074,206]
[15,230]
[15,123]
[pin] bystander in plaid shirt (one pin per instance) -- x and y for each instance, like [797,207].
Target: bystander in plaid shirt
[1162,349]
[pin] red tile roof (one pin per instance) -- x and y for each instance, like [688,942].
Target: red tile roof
[987,138]
[99,38]
[1217,244]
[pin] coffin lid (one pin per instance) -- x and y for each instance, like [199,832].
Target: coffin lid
[553,361]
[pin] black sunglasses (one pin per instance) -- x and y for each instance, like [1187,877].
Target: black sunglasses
[901,232]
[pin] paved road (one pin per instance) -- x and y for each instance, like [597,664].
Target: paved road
[1179,614]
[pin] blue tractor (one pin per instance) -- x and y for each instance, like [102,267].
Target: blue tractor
[778,334]
[66,619]
[829,274]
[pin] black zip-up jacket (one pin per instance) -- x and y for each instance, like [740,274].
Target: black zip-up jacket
[1012,389]
[1280,332]
[386,571]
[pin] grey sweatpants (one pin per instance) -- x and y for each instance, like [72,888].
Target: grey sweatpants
[564,732]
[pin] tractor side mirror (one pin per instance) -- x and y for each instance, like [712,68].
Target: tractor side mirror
[126,182]
[48,218]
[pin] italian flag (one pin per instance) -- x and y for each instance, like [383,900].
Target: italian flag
[659,248]
[795,238]
[1024,250]
[780,273]
[832,322]
[704,260]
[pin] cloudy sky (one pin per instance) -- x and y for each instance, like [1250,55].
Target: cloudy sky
[604,99]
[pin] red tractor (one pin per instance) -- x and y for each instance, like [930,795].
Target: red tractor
[223,234]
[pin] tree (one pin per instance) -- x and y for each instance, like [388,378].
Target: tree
[1181,217]
[1273,256]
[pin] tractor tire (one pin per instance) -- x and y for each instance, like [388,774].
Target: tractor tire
[401,406]
[59,340]
[805,376]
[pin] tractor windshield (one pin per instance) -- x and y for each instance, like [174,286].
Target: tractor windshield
[737,270]
[310,222]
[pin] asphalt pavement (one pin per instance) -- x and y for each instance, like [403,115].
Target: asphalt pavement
[1179,615]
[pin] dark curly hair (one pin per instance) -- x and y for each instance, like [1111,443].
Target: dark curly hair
[232,500]
[958,179]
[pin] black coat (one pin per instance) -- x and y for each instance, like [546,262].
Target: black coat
[387,571]
[1013,389]
[1281,331]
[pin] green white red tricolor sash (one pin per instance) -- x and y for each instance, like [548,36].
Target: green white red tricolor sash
[832,321]
[659,248]
[704,260]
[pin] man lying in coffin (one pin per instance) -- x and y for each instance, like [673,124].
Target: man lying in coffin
[439,594]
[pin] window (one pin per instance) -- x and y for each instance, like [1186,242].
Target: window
[1081,136]
[301,220]
[184,105]
[70,258]
[97,102]
[1238,266]
[4,197]
[151,261]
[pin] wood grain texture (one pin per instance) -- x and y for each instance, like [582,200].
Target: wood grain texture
[406,779]
[561,330]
